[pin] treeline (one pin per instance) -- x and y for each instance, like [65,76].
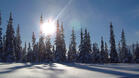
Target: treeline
[11,49]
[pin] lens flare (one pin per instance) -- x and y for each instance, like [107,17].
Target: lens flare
[48,28]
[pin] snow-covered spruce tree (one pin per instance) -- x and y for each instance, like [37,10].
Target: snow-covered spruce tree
[1,43]
[34,48]
[60,53]
[29,53]
[72,48]
[95,54]
[57,43]
[88,47]
[18,47]
[63,44]
[3,48]
[89,43]
[102,52]
[133,52]
[37,52]
[24,54]
[85,54]
[41,44]
[113,52]
[80,47]
[41,49]
[136,55]
[119,51]
[129,56]
[53,52]
[106,59]
[48,50]
[10,48]
[124,52]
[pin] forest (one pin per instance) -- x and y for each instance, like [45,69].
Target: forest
[11,49]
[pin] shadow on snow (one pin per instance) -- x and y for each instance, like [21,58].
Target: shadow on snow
[94,67]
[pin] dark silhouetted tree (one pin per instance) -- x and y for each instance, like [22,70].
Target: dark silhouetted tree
[106,59]
[24,54]
[72,48]
[85,53]
[18,47]
[137,53]
[10,48]
[41,54]
[53,51]
[124,51]
[113,52]
[34,48]
[80,47]
[95,54]
[102,52]
[29,54]
[63,44]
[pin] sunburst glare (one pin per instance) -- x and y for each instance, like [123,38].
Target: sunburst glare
[48,27]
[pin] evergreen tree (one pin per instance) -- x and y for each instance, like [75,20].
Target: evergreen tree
[102,52]
[33,39]
[95,54]
[49,53]
[106,59]
[18,47]
[29,54]
[37,52]
[63,45]
[85,54]
[119,51]
[137,53]
[41,44]
[124,51]
[60,53]
[72,48]
[34,51]
[89,43]
[57,43]
[129,56]
[3,48]
[24,54]
[113,52]
[133,51]
[1,43]
[87,47]
[41,54]
[9,49]
[80,47]
[53,51]
[81,41]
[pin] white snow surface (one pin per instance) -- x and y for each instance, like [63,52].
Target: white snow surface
[68,70]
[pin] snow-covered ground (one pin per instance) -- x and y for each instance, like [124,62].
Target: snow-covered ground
[66,70]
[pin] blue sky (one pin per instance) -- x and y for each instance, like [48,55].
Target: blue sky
[95,15]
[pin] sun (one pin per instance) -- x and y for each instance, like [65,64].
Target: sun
[48,28]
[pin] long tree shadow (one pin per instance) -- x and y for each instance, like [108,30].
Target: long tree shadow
[12,69]
[114,66]
[106,71]
[35,66]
